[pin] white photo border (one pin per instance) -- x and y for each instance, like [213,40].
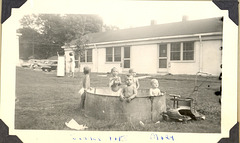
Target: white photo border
[8,77]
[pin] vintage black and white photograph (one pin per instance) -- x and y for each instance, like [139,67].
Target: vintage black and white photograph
[133,66]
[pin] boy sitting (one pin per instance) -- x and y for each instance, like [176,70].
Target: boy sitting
[129,92]
[154,90]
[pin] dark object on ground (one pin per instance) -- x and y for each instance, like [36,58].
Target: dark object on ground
[218,93]
[183,110]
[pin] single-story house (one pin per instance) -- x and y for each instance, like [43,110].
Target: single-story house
[184,47]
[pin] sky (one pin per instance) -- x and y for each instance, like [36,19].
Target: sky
[127,14]
[141,13]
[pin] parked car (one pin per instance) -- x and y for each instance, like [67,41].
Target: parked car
[27,64]
[49,66]
[35,66]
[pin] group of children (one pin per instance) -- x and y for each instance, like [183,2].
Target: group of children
[127,91]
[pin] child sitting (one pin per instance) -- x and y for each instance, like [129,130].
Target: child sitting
[154,90]
[86,85]
[135,79]
[114,80]
[129,92]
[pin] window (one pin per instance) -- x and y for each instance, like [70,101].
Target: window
[163,50]
[109,54]
[117,54]
[162,63]
[89,55]
[113,54]
[86,56]
[175,51]
[126,52]
[188,51]
[182,51]
[162,56]
[126,64]
[126,59]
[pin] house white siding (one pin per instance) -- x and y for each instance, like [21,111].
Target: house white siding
[185,47]
[207,59]
[186,67]
[144,58]
[106,66]
[212,57]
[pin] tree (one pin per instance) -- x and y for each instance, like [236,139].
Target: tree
[80,45]
[50,31]
[34,38]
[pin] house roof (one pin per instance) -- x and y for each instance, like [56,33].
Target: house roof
[202,26]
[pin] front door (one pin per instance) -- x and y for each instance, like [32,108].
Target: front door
[162,54]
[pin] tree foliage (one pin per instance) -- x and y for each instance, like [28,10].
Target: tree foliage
[46,33]
[110,27]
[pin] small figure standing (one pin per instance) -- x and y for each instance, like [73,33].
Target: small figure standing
[129,92]
[86,85]
[135,79]
[154,90]
[114,80]
[71,65]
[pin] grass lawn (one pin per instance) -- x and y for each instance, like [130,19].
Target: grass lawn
[46,102]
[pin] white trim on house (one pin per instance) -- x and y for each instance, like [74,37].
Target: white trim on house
[200,54]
